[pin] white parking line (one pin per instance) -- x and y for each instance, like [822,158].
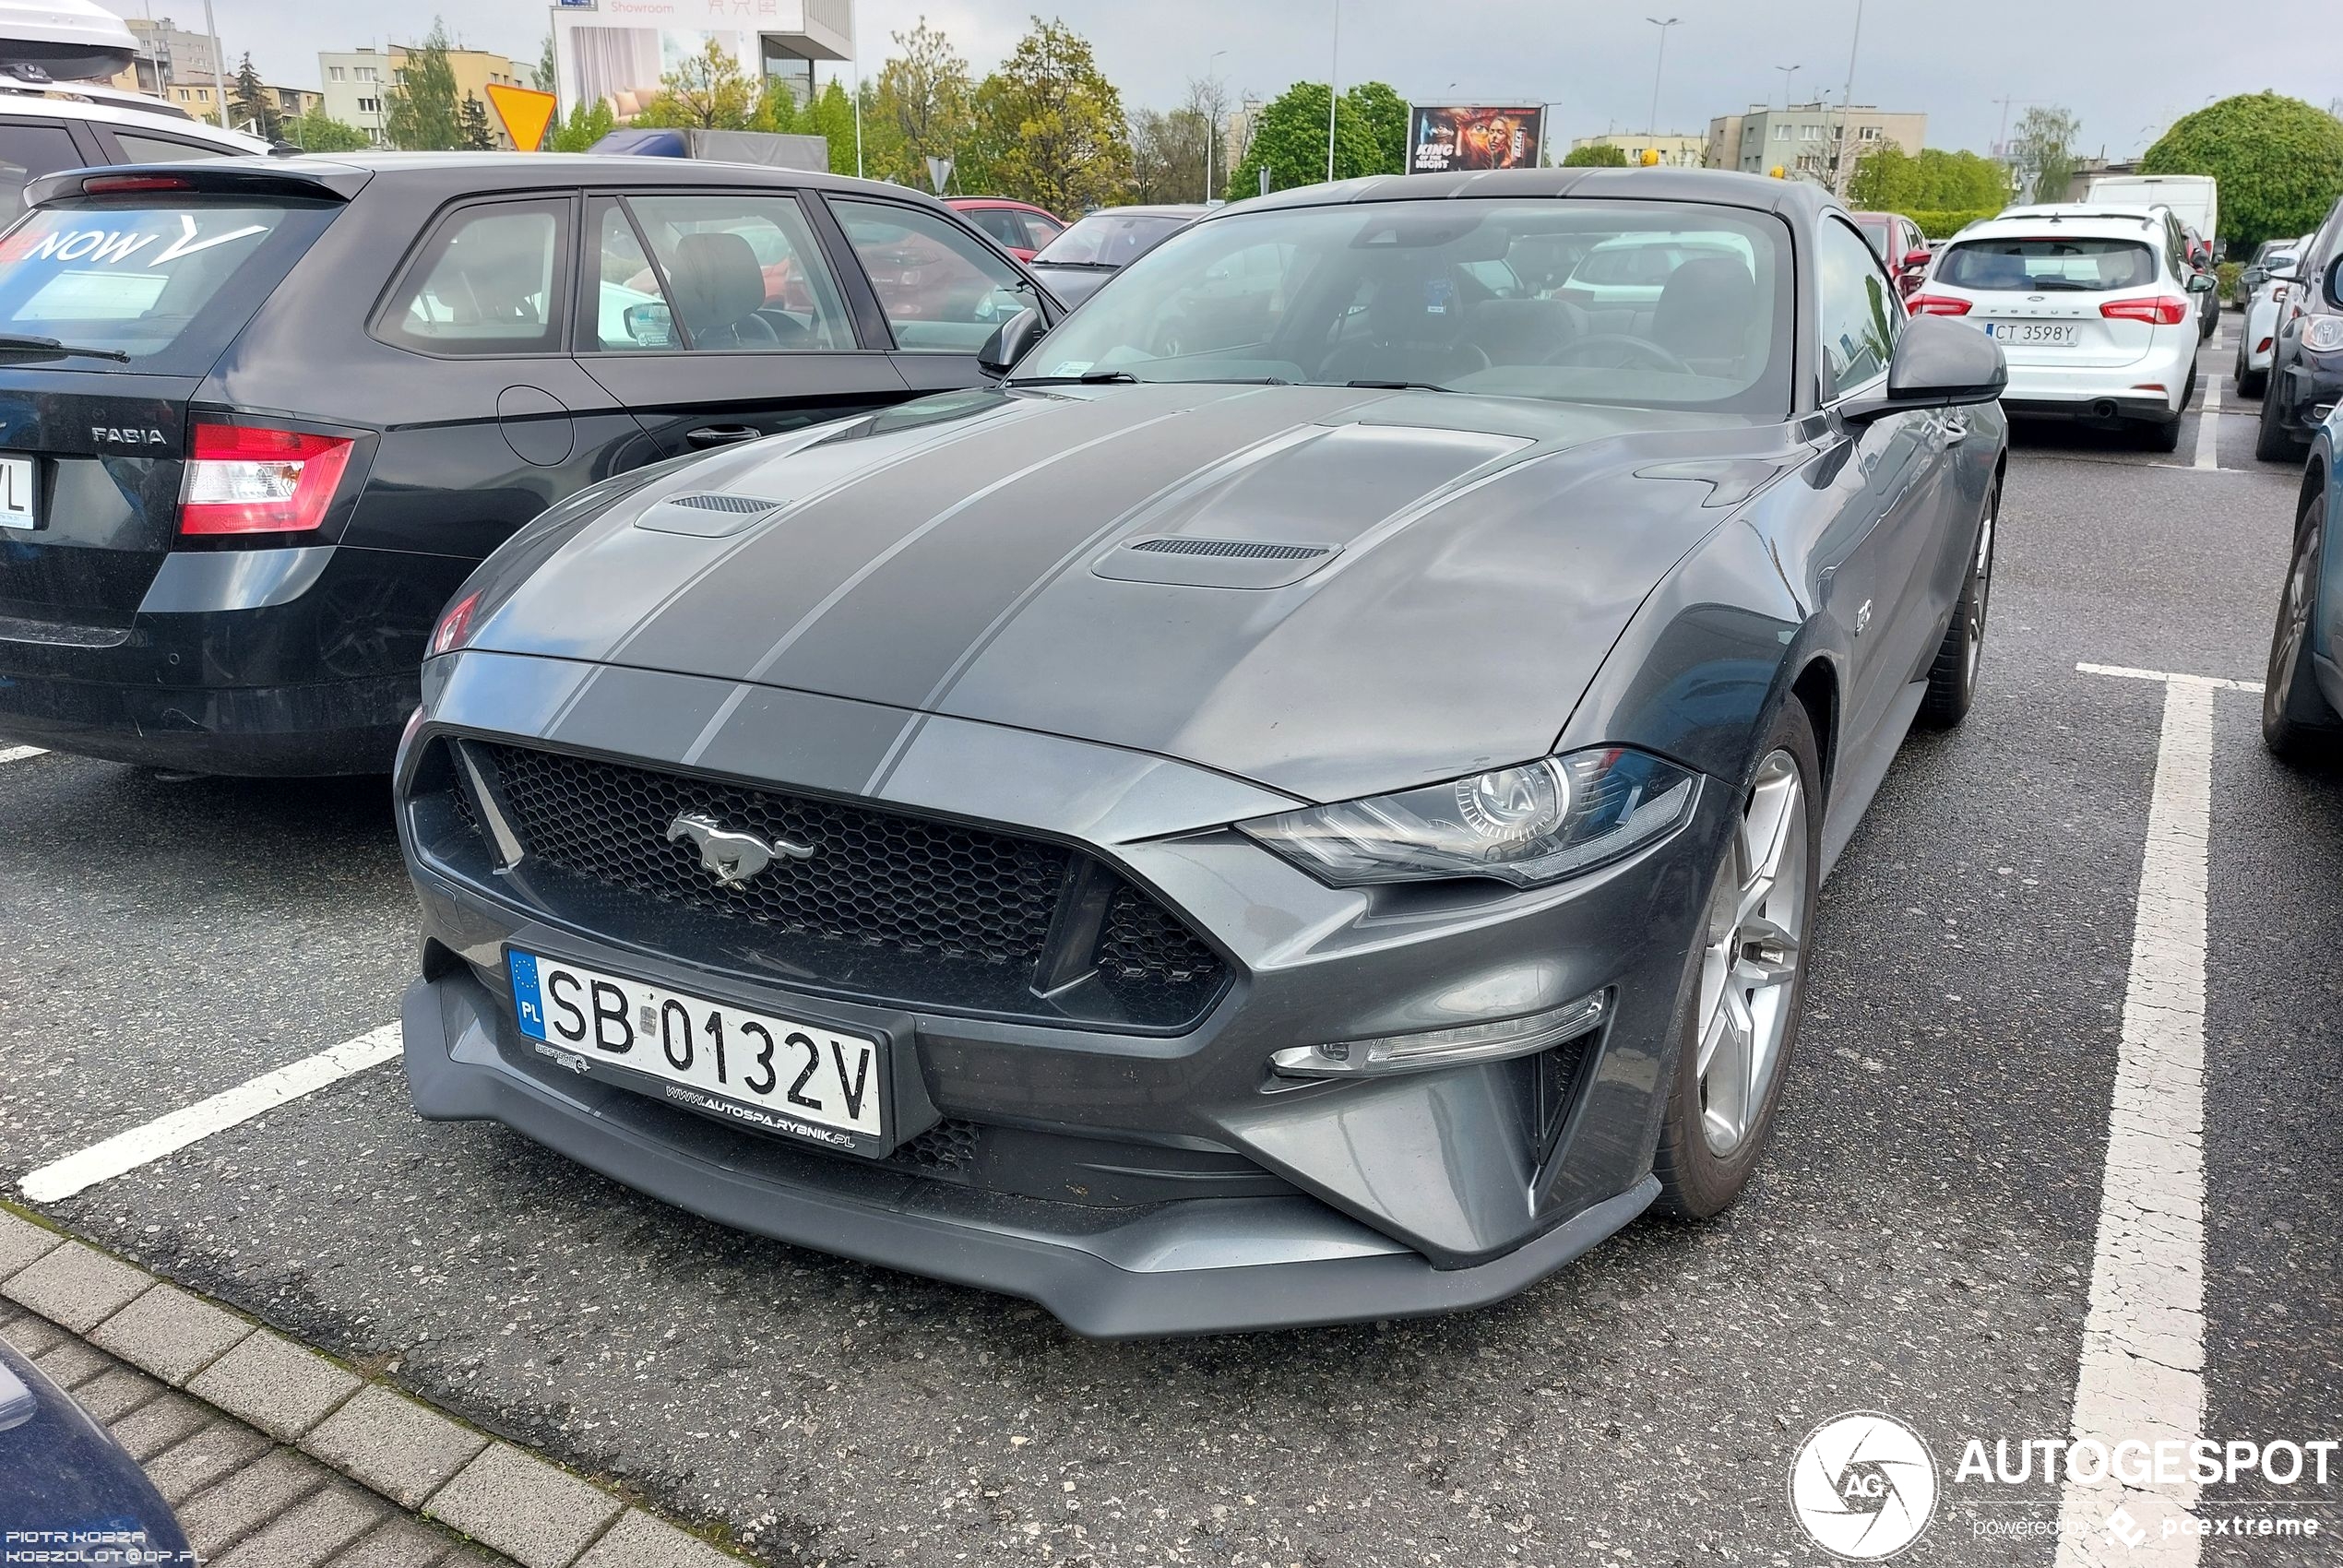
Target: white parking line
[2208,423]
[19,753]
[2142,1374]
[167,1134]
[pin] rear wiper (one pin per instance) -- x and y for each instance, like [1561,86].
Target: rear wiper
[1088,378]
[12,344]
[1401,386]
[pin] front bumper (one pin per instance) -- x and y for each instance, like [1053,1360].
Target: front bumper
[2306,391]
[1133,1183]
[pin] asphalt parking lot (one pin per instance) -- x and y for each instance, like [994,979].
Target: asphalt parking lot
[1923,1242]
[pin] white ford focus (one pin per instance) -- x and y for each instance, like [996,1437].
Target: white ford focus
[2092,306]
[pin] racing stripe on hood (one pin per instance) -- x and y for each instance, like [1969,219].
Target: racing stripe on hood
[878,590]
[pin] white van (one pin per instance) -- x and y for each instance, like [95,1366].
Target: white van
[2196,200]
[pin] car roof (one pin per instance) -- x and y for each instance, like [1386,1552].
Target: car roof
[2081,222]
[468,174]
[1794,199]
[130,115]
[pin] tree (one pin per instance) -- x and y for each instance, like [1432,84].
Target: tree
[542,74]
[1596,155]
[320,132]
[423,114]
[1887,179]
[1051,124]
[2279,162]
[1290,141]
[588,123]
[250,103]
[2043,151]
[707,92]
[473,121]
[831,116]
[1167,155]
[1386,115]
[920,107]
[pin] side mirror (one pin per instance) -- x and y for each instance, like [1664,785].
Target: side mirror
[1010,342]
[1915,260]
[1939,363]
[2202,282]
[651,326]
[2334,281]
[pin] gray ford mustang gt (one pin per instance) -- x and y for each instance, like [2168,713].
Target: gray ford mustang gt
[1303,803]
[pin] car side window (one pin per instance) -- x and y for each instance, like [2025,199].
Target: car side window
[28,151]
[162,149]
[1006,224]
[487,282]
[1039,231]
[1858,312]
[944,292]
[741,272]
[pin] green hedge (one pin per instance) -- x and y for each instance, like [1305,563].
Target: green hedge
[1945,225]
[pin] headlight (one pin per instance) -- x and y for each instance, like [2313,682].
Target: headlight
[2323,333]
[1527,825]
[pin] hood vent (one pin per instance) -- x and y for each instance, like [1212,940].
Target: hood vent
[1236,548]
[707,514]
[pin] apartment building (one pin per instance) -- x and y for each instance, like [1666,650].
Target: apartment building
[1803,140]
[1676,149]
[357,84]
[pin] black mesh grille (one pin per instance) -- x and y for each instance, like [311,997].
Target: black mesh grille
[951,1145]
[887,881]
[712,502]
[899,908]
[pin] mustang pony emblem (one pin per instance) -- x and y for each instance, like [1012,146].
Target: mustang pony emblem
[732,855]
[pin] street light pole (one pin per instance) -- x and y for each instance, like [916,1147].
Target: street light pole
[854,41]
[1788,81]
[1211,130]
[1651,127]
[1334,73]
[1846,107]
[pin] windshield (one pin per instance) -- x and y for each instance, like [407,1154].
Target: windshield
[1110,239]
[1649,303]
[168,284]
[1874,228]
[2039,265]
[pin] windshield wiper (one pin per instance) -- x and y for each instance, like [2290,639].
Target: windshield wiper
[1399,385]
[1088,378]
[13,344]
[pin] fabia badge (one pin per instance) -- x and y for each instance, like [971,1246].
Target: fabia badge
[1863,1485]
[735,857]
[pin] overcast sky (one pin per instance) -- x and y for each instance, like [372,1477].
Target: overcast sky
[2126,70]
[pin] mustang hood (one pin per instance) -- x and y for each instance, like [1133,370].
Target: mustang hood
[1329,591]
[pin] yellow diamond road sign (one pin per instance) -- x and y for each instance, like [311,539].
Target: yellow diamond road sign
[525,110]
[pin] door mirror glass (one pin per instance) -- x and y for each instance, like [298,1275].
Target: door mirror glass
[651,325]
[2202,282]
[1010,342]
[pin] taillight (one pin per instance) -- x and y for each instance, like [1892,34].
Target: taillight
[248,478]
[1936,304]
[2165,310]
[455,628]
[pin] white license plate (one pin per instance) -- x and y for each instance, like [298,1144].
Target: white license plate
[2032,334]
[802,1080]
[19,503]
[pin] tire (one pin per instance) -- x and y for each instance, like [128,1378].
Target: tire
[2271,443]
[1714,1129]
[2297,724]
[1952,680]
[2165,437]
[2250,383]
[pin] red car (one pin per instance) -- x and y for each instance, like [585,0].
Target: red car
[1019,226]
[1900,245]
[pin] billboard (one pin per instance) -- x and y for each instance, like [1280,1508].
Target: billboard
[1443,137]
[617,51]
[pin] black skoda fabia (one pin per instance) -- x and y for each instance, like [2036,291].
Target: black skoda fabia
[260,417]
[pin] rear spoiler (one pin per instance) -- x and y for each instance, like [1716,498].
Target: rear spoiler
[316,179]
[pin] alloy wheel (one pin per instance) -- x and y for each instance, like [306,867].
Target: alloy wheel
[2293,627]
[1749,967]
[1981,587]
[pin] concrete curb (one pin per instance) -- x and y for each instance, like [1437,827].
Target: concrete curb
[416,1458]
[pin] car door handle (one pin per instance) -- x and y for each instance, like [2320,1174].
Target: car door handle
[723,434]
